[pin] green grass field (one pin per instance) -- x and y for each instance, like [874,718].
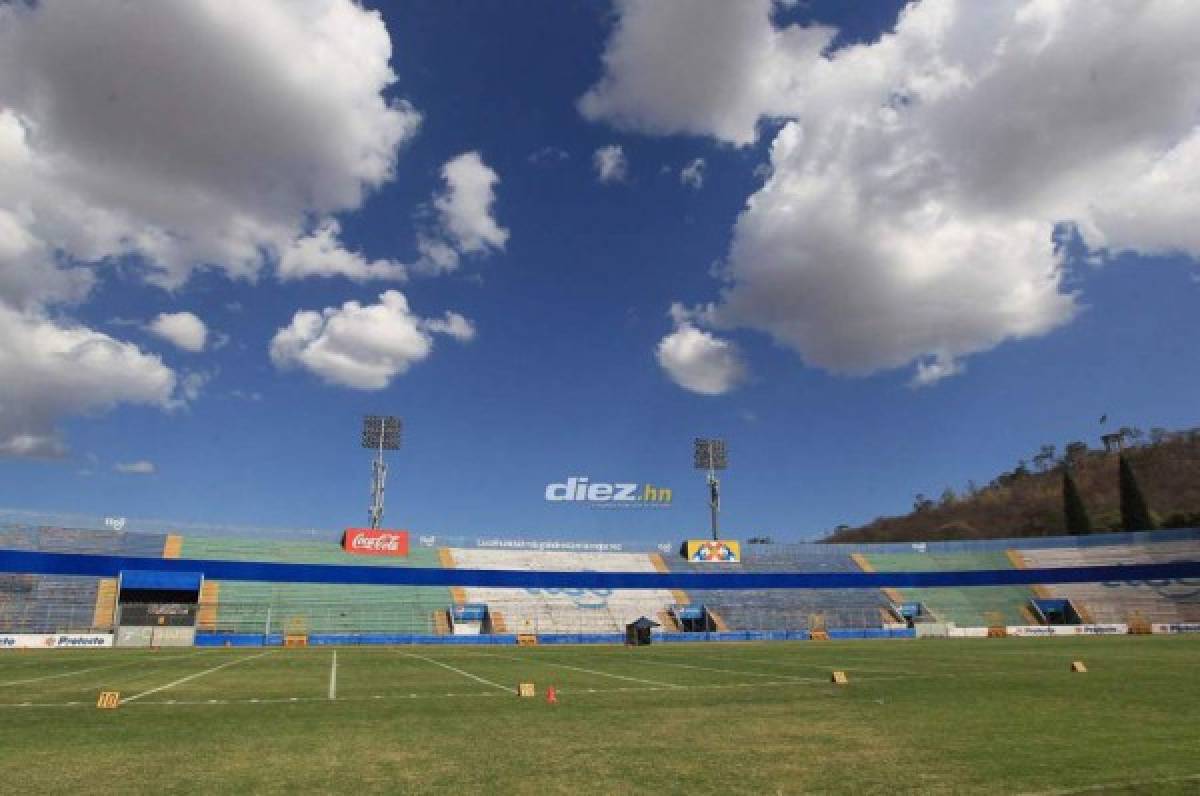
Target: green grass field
[930,716]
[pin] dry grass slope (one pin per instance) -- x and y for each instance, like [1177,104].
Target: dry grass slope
[1031,504]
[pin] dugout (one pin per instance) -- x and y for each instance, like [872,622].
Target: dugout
[692,618]
[156,608]
[638,632]
[1051,611]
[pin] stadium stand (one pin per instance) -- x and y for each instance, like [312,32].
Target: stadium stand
[967,607]
[58,603]
[789,609]
[564,610]
[1120,602]
[252,607]
[233,609]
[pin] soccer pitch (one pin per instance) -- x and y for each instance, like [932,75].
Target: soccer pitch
[950,716]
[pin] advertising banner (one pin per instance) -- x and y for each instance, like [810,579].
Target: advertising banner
[967,632]
[366,542]
[1067,630]
[54,640]
[1178,627]
[721,551]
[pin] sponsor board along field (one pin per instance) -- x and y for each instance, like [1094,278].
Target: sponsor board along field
[927,716]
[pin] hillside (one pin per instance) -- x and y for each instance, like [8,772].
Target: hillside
[1027,502]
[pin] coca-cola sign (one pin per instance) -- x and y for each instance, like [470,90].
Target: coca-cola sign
[367,542]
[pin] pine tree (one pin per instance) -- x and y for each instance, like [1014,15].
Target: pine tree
[1074,511]
[1135,514]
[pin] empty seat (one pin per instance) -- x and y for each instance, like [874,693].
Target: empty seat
[564,610]
[788,609]
[1166,601]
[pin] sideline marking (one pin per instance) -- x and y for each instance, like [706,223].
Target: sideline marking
[333,677]
[775,675]
[539,659]
[834,661]
[183,680]
[458,695]
[474,677]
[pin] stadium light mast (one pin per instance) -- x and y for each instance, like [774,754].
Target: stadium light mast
[379,433]
[711,455]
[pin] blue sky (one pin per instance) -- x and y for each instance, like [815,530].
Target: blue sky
[560,376]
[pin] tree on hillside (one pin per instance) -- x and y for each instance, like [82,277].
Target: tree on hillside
[1131,434]
[1135,514]
[1075,514]
[1076,452]
[1044,459]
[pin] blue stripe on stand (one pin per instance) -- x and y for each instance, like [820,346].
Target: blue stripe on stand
[160,579]
[21,561]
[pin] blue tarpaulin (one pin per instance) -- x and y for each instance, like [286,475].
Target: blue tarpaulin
[160,580]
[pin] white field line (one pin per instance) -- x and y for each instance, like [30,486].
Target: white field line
[392,697]
[946,665]
[256,701]
[96,669]
[1080,651]
[333,677]
[190,677]
[794,683]
[540,659]
[775,675]
[842,662]
[455,669]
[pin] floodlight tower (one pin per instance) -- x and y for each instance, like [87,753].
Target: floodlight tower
[379,433]
[711,455]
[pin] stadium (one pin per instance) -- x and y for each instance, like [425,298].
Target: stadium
[796,396]
[275,658]
[264,608]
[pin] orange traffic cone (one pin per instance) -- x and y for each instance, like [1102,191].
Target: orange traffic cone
[551,696]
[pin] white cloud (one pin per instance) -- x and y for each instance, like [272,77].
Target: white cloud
[706,67]
[123,136]
[181,329]
[692,175]
[437,256]
[186,159]
[28,274]
[911,204]
[322,254]
[364,347]
[191,383]
[697,361]
[51,370]
[464,222]
[548,155]
[454,325]
[934,370]
[139,467]
[610,163]
[465,207]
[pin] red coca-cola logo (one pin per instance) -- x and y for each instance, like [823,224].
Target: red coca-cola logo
[366,542]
